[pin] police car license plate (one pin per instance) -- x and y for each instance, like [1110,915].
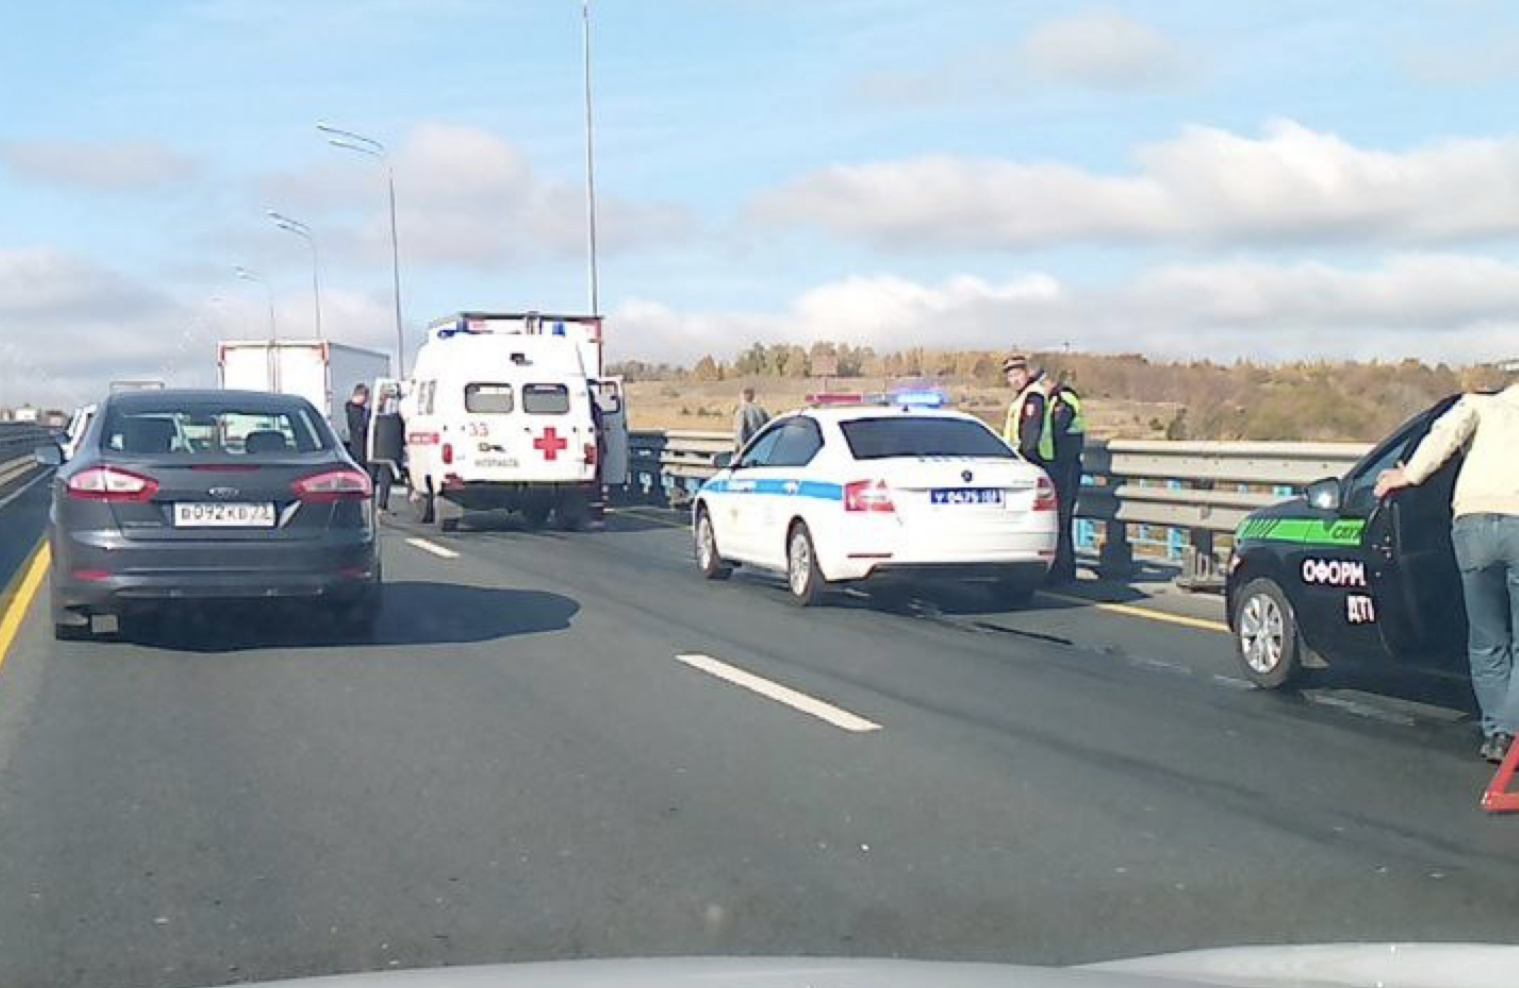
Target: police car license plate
[965,495]
[230,514]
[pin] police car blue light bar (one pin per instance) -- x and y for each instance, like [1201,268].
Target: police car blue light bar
[920,398]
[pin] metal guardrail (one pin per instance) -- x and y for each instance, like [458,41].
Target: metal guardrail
[17,441]
[1204,489]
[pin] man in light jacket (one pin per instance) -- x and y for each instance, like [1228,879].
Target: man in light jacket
[748,420]
[1485,534]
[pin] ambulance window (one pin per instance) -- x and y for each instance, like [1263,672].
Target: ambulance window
[545,399]
[488,398]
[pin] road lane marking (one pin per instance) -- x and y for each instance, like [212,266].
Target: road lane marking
[22,489]
[433,547]
[13,607]
[838,717]
[1149,614]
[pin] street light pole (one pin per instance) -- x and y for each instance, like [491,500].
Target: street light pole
[367,145]
[304,232]
[590,167]
[247,275]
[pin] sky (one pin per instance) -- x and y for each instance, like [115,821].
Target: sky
[1267,179]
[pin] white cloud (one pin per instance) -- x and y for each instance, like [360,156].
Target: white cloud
[1103,49]
[1291,184]
[467,198]
[1433,306]
[69,327]
[98,166]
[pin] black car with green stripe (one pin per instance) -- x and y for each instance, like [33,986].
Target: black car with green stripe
[1338,576]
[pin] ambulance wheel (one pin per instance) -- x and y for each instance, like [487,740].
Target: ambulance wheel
[707,558]
[537,515]
[803,578]
[1266,635]
[447,514]
[572,513]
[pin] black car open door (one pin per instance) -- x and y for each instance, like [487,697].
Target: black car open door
[1415,583]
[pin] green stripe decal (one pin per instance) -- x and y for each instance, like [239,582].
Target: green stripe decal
[1306,531]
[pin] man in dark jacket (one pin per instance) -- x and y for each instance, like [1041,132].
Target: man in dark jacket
[1045,423]
[357,411]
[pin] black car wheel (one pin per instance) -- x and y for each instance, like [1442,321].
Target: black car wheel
[1266,635]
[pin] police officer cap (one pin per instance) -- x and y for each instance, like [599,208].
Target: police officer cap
[1015,361]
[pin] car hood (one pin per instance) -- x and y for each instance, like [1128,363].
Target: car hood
[1327,966]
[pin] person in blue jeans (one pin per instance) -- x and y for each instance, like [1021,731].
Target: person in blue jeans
[1485,534]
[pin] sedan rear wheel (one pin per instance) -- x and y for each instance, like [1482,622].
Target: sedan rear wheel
[1266,635]
[803,577]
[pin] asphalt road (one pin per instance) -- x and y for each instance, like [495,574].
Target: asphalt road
[519,767]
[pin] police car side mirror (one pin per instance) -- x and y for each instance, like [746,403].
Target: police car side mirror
[1325,494]
[722,461]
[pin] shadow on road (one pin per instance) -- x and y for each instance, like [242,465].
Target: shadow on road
[414,613]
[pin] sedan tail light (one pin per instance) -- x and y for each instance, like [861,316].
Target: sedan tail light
[1044,496]
[110,484]
[868,495]
[334,485]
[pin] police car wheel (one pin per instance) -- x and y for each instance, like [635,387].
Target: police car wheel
[803,577]
[707,558]
[1266,635]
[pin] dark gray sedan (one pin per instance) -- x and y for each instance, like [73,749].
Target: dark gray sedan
[208,495]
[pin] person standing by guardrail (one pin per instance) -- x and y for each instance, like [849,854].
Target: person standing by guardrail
[1485,534]
[1046,425]
[748,420]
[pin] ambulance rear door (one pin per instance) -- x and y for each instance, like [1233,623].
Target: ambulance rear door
[610,398]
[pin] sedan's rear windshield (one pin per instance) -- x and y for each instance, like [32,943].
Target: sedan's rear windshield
[883,438]
[212,432]
[545,399]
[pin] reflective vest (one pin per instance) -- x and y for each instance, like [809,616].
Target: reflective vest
[1052,394]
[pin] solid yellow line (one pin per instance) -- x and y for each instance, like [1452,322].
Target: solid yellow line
[16,605]
[1149,614]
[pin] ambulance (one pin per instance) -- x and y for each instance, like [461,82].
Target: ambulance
[510,411]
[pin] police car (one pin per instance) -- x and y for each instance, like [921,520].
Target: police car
[857,486]
[1339,576]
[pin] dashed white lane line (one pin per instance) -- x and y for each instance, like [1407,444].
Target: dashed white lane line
[22,489]
[442,552]
[838,717]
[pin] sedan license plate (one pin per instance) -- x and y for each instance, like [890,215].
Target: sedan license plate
[965,495]
[198,514]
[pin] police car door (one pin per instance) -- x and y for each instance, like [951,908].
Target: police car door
[1416,584]
[608,392]
[741,506]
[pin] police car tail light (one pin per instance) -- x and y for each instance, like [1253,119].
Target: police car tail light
[1044,496]
[868,495]
[448,452]
[111,484]
[334,485]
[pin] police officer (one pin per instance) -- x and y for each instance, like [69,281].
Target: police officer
[1046,425]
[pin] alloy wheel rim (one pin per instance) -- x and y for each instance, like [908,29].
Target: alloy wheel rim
[1262,634]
